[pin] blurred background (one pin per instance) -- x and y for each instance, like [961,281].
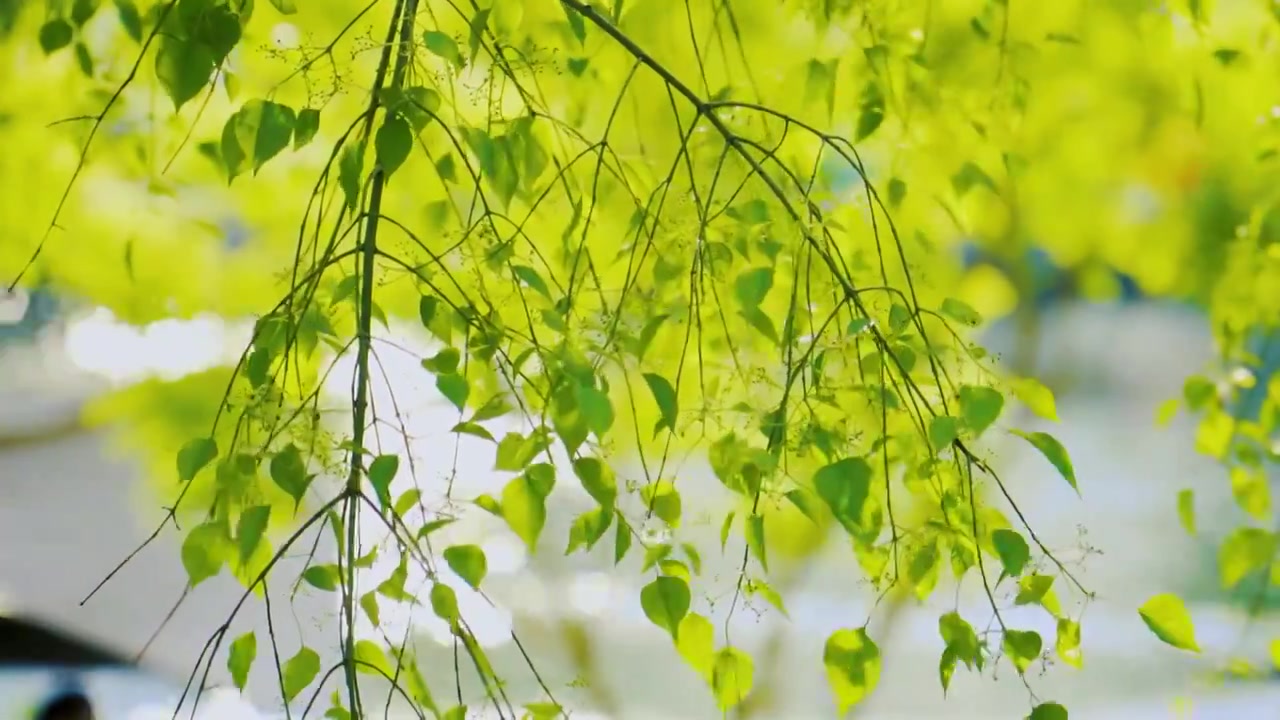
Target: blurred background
[1122,235]
[75,505]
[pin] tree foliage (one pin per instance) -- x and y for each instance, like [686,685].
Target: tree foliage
[643,229]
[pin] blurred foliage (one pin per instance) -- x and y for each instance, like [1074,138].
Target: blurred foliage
[643,232]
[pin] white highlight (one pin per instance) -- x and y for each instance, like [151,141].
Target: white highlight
[168,349]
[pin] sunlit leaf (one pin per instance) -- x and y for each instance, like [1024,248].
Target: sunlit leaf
[240,658]
[852,662]
[468,561]
[665,602]
[731,677]
[1168,618]
[1054,452]
[299,671]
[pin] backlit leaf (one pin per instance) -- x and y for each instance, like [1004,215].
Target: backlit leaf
[1054,452]
[1168,618]
[240,658]
[299,671]
[731,677]
[468,561]
[665,602]
[852,662]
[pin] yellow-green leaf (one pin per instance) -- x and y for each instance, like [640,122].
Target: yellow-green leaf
[665,602]
[1054,452]
[240,658]
[468,561]
[695,641]
[1168,618]
[1022,647]
[299,671]
[371,660]
[731,677]
[1187,510]
[852,662]
[1038,398]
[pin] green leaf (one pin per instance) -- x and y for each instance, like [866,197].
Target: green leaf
[381,472]
[1022,647]
[194,456]
[588,528]
[1012,550]
[943,430]
[755,539]
[130,19]
[290,472]
[524,510]
[665,602]
[1168,618]
[751,286]
[299,671]
[407,500]
[852,662]
[369,603]
[1048,711]
[371,660]
[1054,452]
[1245,551]
[250,528]
[960,311]
[731,677]
[1249,487]
[621,538]
[455,388]
[255,134]
[870,111]
[1037,397]
[441,45]
[474,431]
[435,525]
[203,552]
[647,334]
[695,641]
[286,7]
[804,502]
[1198,392]
[392,143]
[857,325]
[1036,588]
[55,35]
[597,479]
[530,277]
[771,596]
[323,577]
[595,408]
[845,486]
[725,527]
[444,602]
[668,405]
[980,407]
[1187,510]
[350,167]
[663,499]
[961,644]
[306,127]
[1068,644]
[393,586]
[468,561]
[240,658]
[183,69]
